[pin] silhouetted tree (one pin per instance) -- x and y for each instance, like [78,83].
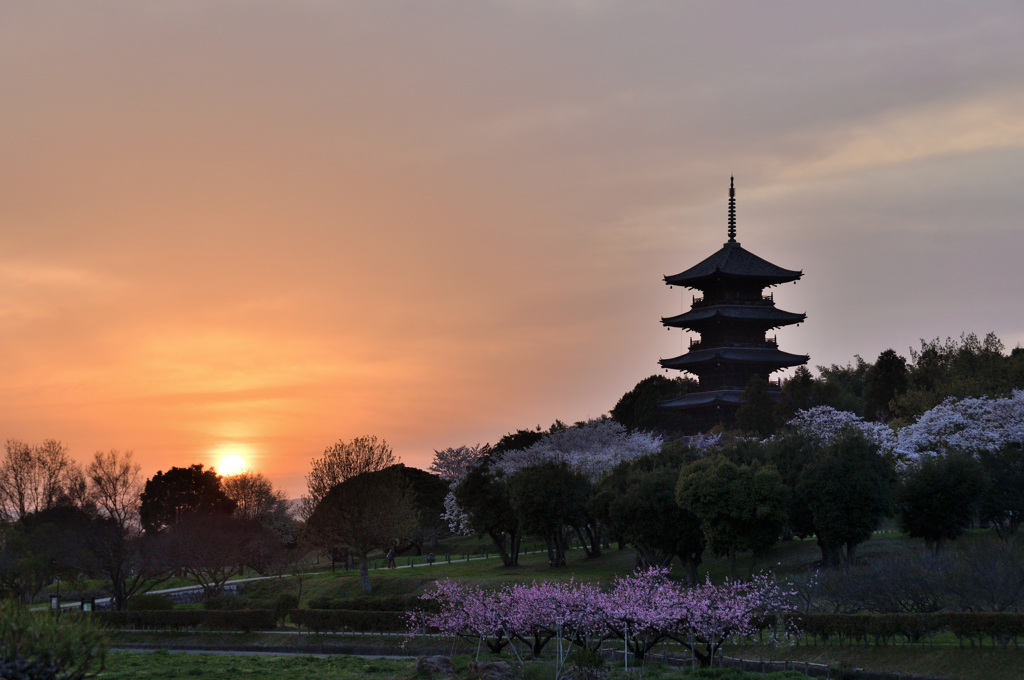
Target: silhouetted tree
[213,547]
[130,562]
[344,460]
[256,499]
[799,392]
[168,496]
[429,491]
[371,511]
[638,409]
[483,496]
[939,497]
[968,367]
[636,501]
[848,490]
[757,413]
[886,380]
[41,547]
[842,387]
[36,478]
[1002,501]
[548,499]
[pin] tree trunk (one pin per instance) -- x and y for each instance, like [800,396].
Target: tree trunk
[691,570]
[364,574]
[851,553]
[515,540]
[499,542]
[732,563]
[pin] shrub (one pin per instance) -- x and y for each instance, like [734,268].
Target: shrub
[246,620]
[150,602]
[323,620]
[226,603]
[284,603]
[386,603]
[40,645]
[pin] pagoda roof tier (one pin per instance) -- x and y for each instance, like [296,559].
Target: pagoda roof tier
[699,399]
[762,356]
[764,314]
[734,262]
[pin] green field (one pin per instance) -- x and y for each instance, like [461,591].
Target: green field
[170,665]
[163,664]
[942,658]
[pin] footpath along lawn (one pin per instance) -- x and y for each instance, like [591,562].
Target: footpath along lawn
[163,665]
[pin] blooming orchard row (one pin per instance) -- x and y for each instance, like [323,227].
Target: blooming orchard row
[643,609]
[966,425]
[963,425]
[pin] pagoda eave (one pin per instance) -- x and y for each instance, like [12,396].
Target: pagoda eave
[766,316]
[733,263]
[701,399]
[765,357]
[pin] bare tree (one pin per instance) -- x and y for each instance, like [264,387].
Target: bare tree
[213,547]
[115,485]
[344,460]
[34,478]
[130,561]
[259,501]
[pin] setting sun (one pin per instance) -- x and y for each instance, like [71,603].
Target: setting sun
[231,465]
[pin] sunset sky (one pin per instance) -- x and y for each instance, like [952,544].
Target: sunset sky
[260,227]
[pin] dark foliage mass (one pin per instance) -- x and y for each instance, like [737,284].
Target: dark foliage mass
[638,408]
[170,495]
[939,498]
[636,491]
[483,495]
[371,511]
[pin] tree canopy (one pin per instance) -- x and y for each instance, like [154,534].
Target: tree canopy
[170,495]
[370,511]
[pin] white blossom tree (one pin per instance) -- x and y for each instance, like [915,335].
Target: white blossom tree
[451,464]
[824,425]
[966,426]
[592,449]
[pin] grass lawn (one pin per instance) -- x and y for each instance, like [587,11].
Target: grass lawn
[160,665]
[946,661]
[163,664]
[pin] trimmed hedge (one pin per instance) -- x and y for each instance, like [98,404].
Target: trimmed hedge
[150,602]
[238,619]
[999,627]
[386,603]
[337,620]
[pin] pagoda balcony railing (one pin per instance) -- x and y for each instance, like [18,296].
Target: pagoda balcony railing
[701,344]
[773,385]
[766,300]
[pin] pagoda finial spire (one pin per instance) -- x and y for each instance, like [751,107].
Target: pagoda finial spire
[732,210]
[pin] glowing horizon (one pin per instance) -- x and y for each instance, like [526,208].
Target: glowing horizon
[274,226]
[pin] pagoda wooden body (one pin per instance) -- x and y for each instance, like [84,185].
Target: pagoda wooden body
[733,316]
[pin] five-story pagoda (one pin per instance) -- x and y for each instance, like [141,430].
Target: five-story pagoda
[732,316]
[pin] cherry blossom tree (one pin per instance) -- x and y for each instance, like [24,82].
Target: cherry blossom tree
[643,609]
[824,425]
[592,449]
[452,464]
[467,612]
[712,614]
[965,425]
